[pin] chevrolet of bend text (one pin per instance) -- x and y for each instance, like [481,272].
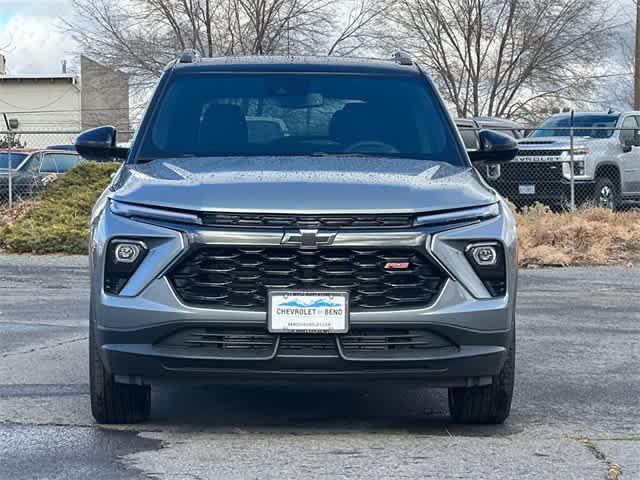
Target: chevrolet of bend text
[285,219]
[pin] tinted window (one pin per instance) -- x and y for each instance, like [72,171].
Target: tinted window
[58,162]
[596,126]
[16,159]
[469,137]
[280,114]
[632,125]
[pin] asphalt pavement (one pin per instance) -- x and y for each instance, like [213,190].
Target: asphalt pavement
[576,413]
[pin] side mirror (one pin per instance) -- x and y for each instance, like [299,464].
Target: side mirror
[99,144]
[495,147]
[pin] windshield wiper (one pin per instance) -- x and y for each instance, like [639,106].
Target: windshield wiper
[151,159]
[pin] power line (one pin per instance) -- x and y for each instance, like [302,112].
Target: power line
[75,110]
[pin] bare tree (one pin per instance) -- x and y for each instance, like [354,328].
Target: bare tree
[141,36]
[507,57]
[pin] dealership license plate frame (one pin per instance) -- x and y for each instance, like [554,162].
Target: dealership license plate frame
[342,328]
[527,189]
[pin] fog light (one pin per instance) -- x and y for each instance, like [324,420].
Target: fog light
[493,171]
[126,252]
[484,255]
[123,258]
[488,261]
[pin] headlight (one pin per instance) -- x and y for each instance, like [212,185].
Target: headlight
[123,258]
[487,260]
[580,150]
[578,169]
[459,216]
[132,210]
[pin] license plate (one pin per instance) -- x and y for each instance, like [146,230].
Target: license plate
[308,312]
[527,189]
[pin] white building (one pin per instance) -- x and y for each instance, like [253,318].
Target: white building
[57,103]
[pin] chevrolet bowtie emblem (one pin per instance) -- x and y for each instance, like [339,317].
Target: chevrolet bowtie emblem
[308,239]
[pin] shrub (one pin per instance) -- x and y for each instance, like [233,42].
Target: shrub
[58,221]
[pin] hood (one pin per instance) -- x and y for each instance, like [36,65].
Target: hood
[301,185]
[554,143]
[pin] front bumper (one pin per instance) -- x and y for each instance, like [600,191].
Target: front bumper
[475,328]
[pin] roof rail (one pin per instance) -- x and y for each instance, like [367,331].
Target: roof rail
[189,56]
[402,58]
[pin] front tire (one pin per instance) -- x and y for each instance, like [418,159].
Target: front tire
[113,402]
[490,404]
[605,194]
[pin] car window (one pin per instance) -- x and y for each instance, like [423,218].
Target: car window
[230,115]
[58,162]
[469,137]
[16,159]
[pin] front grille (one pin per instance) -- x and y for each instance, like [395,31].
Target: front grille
[223,342]
[256,343]
[530,172]
[385,340]
[296,344]
[305,221]
[540,153]
[220,277]
[368,344]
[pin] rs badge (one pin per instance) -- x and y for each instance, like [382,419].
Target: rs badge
[396,265]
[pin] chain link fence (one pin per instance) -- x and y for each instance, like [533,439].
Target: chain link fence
[561,167]
[568,167]
[31,160]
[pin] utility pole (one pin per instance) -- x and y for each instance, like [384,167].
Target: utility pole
[636,70]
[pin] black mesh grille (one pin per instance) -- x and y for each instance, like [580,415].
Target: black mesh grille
[240,277]
[540,153]
[305,221]
[531,172]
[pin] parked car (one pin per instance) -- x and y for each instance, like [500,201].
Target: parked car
[33,171]
[362,246]
[606,162]
[62,147]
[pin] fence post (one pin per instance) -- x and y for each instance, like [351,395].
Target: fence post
[573,183]
[9,169]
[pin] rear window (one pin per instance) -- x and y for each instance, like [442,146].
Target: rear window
[16,159]
[288,114]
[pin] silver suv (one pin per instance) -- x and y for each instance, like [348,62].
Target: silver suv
[357,245]
[606,162]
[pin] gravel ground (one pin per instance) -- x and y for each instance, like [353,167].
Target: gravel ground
[575,413]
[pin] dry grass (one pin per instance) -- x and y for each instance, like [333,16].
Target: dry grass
[589,236]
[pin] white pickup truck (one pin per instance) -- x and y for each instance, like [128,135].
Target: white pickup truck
[606,156]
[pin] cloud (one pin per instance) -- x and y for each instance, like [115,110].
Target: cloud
[35,39]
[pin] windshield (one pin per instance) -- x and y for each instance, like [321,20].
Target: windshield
[16,159]
[596,126]
[310,114]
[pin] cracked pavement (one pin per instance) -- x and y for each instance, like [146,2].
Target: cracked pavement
[575,413]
